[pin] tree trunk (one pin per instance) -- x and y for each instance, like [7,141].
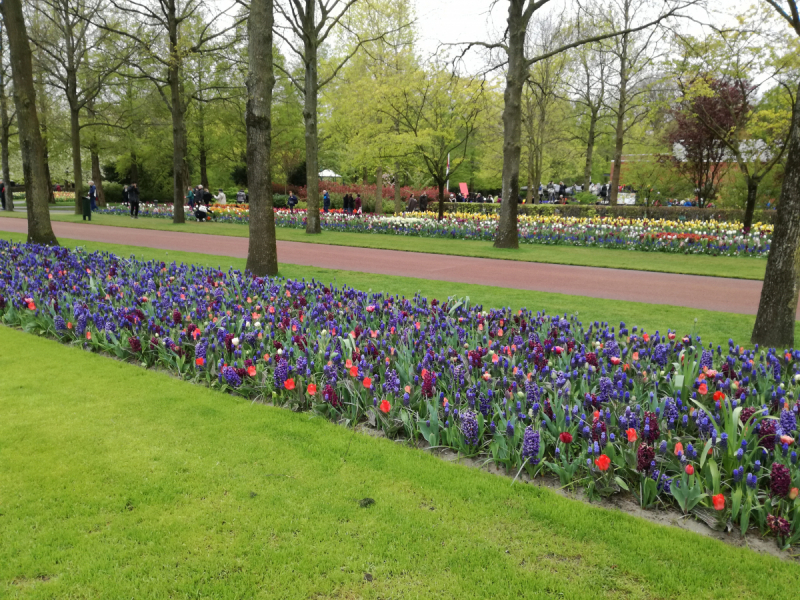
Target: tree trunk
[379,190]
[441,199]
[97,176]
[51,197]
[587,169]
[507,235]
[262,250]
[203,151]
[777,310]
[77,169]
[752,195]
[5,123]
[310,121]
[37,183]
[622,108]
[134,168]
[180,171]
[398,201]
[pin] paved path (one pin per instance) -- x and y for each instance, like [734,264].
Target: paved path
[710,293]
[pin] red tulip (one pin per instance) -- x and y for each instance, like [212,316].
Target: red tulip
[631,433]
[565,437]
[311,389]
[719,502]
[289,384]
[385,406]
[689,470]
[603,462]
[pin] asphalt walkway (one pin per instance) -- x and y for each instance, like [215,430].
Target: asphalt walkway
[692,291]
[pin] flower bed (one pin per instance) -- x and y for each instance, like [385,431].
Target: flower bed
[604,409]
[685,237]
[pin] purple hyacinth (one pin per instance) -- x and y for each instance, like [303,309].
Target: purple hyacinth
[60,324]
[706,360]
[281,373]
[469,427]
[201,350]
[391,382]
[231,377]
[530,446]
[660,354]
[788,422]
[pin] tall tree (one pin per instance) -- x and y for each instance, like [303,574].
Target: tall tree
[5,126]
[37,182]
[587,89]
[438,115]
[312,22]
[727,78]
[635,53]
[699,153]
[777,309]
[262,251]
[542,91]
[520,13]
[72,51]
[157,28]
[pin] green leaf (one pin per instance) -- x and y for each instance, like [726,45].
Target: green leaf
[736,502]
[704,455]
[621,483]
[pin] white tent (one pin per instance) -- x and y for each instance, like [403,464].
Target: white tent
[327,174]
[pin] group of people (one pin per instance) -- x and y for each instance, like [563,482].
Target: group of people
[199,199]
[351,205]
[421,205]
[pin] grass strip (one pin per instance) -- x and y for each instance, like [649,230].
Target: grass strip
[713,326]
[688,264]
[120,482]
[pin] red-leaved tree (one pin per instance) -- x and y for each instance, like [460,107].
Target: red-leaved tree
[700,125]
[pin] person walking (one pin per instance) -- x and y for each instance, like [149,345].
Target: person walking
[221,198]
[326,201]
[292,202]
[190,197]
[357,204]
[207,196]
[92,196]
[133,198]
[240,197]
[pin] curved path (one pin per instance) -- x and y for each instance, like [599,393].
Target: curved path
[692,291]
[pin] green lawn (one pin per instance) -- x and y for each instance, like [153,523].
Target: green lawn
[721,266]
[713,326]
[117,482]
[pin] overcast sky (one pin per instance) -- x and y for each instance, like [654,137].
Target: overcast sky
[452,21]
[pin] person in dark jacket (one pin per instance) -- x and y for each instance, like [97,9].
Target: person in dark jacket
[357,204]
[208,197]
[423,202]
[292,202]
[92,196]
[326,201]
[133,198]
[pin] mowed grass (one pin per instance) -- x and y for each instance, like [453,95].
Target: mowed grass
[712,326]
[119,482]
[719,266]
